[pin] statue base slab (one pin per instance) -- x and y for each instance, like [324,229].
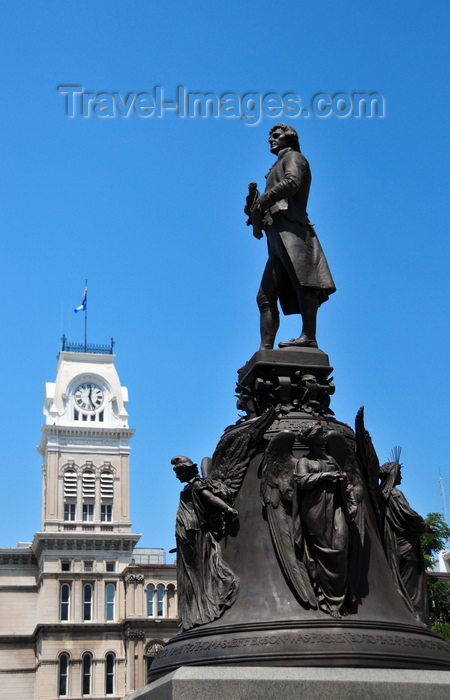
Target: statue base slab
[253,683]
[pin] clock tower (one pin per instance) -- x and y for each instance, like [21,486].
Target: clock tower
[82,609]
[86,445]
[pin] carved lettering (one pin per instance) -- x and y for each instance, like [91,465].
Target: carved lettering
[307,639]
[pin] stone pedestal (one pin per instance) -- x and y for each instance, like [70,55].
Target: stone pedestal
[231,683]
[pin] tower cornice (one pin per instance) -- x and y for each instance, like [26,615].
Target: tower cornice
[64,432]
[81,542]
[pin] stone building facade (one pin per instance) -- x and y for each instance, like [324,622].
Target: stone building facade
[82,610]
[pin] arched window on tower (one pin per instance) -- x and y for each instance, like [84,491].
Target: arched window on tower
[63,675]
[88,481]
[70,483]
[106,495]
[110,667]
[88,491]
[70,494]
[107,485]
[86,674]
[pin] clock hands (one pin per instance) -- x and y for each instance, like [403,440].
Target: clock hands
[89,396]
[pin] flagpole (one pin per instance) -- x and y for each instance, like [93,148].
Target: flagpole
[85,319]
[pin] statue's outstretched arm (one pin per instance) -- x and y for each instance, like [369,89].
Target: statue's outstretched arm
[215,502]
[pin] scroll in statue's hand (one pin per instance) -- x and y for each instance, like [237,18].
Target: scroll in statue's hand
[264,202]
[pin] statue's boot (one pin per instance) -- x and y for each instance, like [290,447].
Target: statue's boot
[309,304]
[302,342]
[269,322]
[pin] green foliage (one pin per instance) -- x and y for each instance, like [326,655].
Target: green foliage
[443,629]
[439,599]
[434,541]
[438,589]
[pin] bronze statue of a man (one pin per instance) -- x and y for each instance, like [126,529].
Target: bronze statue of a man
[297,272]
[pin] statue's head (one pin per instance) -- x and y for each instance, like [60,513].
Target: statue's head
[390,476]
[311,433]
[283,136]
[391,471]
[184,468]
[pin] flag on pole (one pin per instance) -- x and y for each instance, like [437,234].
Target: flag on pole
[83,304]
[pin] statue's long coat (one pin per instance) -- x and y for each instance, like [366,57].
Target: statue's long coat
[291,237]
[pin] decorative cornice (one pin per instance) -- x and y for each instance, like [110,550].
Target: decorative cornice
[91,630]
[17,556]
[95,434]
[119,542]
[135,578]
[117,431]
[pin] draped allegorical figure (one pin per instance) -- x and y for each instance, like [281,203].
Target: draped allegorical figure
[323,509]
[206,585]
[402,530]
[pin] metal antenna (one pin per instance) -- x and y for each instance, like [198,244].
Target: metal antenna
[441,488]
[85,317]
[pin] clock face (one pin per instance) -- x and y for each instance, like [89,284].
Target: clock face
[89,396]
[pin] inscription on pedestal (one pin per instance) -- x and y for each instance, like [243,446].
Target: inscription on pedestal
[301,640]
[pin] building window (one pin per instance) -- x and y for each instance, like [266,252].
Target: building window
[69,511]
[110,598]
[110,566]
[150,596]
[84,416]
[88,594]
[109,674]
[86,674]
[76,415]
[106,485]
[66,565]
[88,484]
[64,601]
[106,513]
[88,512]
[160,601]
[70,483]
[88,565]
[106,494]
[100,416]
[63,674]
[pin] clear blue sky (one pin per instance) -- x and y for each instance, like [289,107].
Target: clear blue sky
[150,211]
